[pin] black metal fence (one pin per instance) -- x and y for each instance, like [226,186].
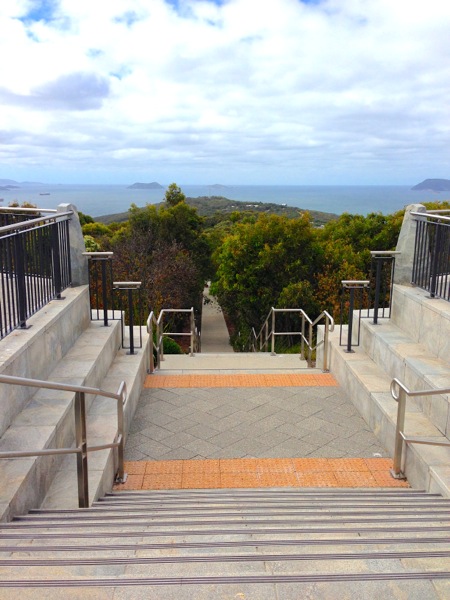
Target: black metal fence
[34,265]
[431,267]
[114,301]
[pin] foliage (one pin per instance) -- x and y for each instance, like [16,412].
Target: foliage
[91,244]
[164,247]
[95,229]
[84,219]
[15,204]
[174,195]
[170,346]
[258,260]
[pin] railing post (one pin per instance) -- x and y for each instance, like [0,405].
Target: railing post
[436,255]
[192,331]
[302,341]
[81,444]
[272,351]
[159,337]
[19,263]
[350,319]
[377,291]
[120,477]
[104,258]
[129,287]
[351,285]
[396,470]
[56,256]
[325,368]
[310,337]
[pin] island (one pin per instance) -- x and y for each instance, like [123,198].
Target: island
[433,185]
[145,186]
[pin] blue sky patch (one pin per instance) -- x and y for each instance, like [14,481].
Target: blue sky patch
[42,10]
[129,18]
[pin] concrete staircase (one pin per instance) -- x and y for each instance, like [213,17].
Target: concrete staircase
[414,347]
[252,544]
[62,345]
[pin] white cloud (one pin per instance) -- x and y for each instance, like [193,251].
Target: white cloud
[263,92]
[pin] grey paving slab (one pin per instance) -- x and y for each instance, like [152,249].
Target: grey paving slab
[241,422]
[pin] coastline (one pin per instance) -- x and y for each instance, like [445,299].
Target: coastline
[99,200]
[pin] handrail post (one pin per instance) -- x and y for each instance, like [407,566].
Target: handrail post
[350,319]
[56,255]
[272,352]
[19,263]
[396,470]
[435,258]
[302,341]
[160,340]
[310,336]
[129,287]
[81,444]
[377,291]
[352,285]
[120,478]
[192,331]
[325,368]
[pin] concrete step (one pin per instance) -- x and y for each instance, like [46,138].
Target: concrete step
[423,319]
[410,362]
[267,557]
[368,386]
[101,429]
[47,421]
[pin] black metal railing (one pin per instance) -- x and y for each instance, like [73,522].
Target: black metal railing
[114,300]
[354,300]
[34,265]
[431,266]
[129,299]
[101,289]
[382,283]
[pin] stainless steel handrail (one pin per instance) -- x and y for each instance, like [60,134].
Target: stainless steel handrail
[158,345]
[399,392]
[26,224]
[268,333]
[81,448]
[431,215]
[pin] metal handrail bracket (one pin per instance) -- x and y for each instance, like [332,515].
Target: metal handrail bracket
[81,448]
[399,392]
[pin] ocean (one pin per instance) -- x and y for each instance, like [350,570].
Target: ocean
[97,200]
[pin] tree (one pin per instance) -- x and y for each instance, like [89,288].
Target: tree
[258,260]
[174,195]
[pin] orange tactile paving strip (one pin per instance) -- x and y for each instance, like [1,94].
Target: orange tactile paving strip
[259,473]
[240,380]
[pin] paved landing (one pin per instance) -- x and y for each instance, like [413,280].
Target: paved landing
[261,421]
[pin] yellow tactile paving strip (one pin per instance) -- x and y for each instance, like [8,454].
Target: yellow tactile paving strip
[240,380]
[259,473]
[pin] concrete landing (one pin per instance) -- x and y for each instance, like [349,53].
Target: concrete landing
[232,362]
[203,421]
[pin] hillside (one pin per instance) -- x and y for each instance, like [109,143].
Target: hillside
[216,206]
[433,185]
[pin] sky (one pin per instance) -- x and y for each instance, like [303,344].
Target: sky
[268,92]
